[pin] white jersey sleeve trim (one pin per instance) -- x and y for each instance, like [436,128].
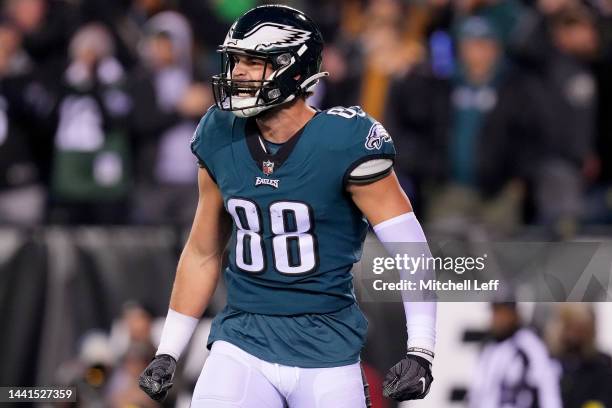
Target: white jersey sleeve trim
[372,168]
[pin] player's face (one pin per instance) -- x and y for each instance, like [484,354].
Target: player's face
[245,69]
[248,68]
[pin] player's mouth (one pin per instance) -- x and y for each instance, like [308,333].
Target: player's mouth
[246,92]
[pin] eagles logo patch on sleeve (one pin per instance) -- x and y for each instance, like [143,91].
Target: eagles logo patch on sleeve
[376,137]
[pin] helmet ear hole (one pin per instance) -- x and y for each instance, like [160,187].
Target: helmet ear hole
[283,59]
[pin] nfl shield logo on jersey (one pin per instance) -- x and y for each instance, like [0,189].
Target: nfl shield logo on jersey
[268,167]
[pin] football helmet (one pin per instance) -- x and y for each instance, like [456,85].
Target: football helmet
[288,42]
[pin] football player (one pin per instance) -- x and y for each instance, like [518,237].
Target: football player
[291,187]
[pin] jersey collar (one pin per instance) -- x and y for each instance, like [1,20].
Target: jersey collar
[265,161]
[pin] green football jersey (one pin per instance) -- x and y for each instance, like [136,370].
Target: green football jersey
[296,232]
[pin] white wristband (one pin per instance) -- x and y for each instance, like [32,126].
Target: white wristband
[177,331]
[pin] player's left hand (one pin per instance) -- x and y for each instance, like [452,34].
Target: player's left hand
[409,379]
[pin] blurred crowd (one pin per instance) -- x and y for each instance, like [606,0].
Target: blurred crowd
[551,360]
[107,364]
[499,108]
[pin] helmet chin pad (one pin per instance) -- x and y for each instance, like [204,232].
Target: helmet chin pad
[249,109]
[245,106]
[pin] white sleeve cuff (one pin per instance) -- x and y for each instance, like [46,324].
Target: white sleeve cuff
[177,331]
[421,315]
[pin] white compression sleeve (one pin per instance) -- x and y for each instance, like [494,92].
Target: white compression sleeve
[177,331]
[420,316]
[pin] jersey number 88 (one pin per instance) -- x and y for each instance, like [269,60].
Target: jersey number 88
[293,244]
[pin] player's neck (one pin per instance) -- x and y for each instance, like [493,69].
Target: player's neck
[279,125]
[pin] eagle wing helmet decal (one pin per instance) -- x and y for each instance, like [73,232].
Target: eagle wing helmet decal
[269,35]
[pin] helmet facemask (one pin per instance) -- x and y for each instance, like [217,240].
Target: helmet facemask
[283,84]
[248,97]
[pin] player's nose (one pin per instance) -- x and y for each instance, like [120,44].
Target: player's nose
[238,71]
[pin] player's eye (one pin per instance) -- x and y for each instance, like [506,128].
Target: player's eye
[253,61]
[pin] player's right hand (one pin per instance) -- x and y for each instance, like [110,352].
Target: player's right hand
[156,379]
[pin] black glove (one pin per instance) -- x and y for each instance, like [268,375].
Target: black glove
[409,379]
[156,379]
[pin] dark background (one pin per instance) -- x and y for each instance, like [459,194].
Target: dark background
[501,111]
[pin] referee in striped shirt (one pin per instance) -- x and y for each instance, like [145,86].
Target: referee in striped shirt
[514,369]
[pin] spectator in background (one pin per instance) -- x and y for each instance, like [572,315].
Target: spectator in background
[340,88]
[604,17]
[167,106]
[599,204]
[126,19]
[91,171]
[511,18]
[474,95]
[504,15]
[134,326]
[22,195]
[514,369]
[418,117]
[132,342]
[387,53]
[586,371]
[568,158]
[90,371]
[129,27]
[474,135]
[328,15]
[122,389]
[46,27]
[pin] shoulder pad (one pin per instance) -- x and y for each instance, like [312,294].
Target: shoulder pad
[367,148]
[353,126]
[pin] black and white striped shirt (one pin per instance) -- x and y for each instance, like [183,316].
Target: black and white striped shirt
[516,373]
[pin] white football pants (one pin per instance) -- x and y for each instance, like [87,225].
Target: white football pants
[233,378]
